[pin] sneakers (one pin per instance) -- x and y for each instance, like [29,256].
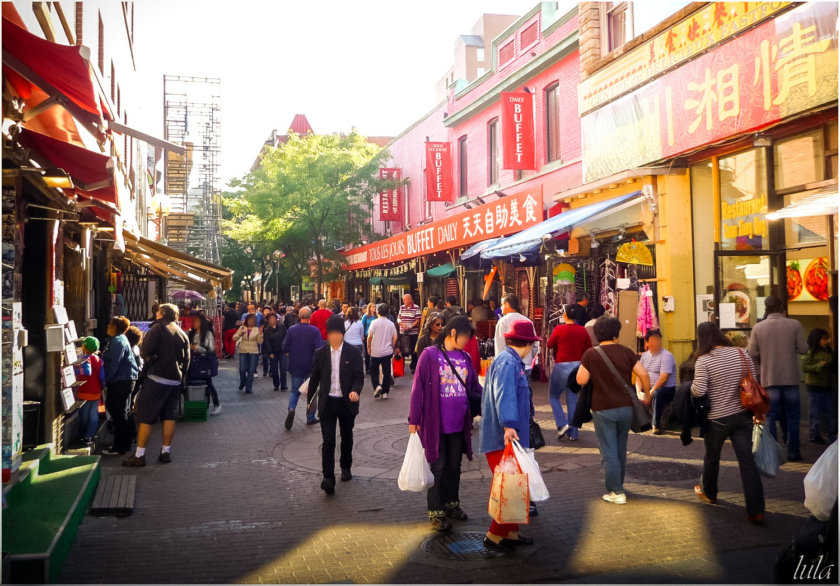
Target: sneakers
[165,457]
[313,421]
[290,419]
[562,432]
[384,395]
[216,410]
[698,490]
[616,499]
[134,462]
[378,392]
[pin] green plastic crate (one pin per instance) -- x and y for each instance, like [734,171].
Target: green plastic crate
[195,410]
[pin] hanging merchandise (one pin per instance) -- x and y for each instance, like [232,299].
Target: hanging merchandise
[607,296]
[488,282]
[564,274]
[634,253]
[646,319]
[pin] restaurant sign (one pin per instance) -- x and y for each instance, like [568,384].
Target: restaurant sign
[696,33]
[780,68]
[396,271]
[504,216]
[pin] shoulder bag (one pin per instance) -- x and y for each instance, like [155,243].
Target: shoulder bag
[754,397]
[475,403]
[641,417]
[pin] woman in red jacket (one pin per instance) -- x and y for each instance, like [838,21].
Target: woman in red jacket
[568,341]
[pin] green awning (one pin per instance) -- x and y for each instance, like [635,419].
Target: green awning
[441,271]
[404,279]
[376,280]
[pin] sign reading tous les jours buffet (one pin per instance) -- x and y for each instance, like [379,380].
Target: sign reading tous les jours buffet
[439,171]
[504,216]
[518,131]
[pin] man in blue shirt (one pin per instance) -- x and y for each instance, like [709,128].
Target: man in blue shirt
[253,309]
[662,370]
[300,344]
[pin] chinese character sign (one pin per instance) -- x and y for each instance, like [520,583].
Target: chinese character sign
[501,217]
[390,200]
[782,67]
[439,171]
[518,146]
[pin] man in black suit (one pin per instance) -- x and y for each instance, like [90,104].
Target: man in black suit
[338,375]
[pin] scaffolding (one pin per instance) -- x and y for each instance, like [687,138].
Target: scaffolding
[191,112]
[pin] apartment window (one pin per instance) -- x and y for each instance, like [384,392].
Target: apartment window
[479,71]
[552,123]
[493,152]
[619,24]
[529,36]
[479,54]
[462,165]
[101,55]
[506,53]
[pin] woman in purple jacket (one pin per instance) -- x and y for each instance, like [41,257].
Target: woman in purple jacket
[444,382]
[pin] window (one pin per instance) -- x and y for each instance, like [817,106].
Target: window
[552,123]
[800,160]
[506,53]
[493,152]
[462,165]
[101,54]
[619,24]
[529,36]
[627,20]
[479,54]
[743,201]
[479,71]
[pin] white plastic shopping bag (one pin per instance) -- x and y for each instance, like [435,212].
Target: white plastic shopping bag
[415,474]
[768,453]
[821,484]
[536,486]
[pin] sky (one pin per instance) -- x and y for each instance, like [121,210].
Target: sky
[368,64]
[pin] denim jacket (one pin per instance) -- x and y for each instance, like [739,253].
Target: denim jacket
[119,360]
[506,402]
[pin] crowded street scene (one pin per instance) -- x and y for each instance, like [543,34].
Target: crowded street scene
[493,291]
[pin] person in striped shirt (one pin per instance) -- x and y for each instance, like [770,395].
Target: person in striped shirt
[662,370]
[409,322]
[718,371]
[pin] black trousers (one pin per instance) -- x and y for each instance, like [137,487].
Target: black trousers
[375,363]
[336,412]
[738,428]
[445,494]
[118,404]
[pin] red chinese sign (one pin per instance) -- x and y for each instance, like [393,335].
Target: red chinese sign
[439,171]
[502,217]
[782,67]
[518,146]
[390,200]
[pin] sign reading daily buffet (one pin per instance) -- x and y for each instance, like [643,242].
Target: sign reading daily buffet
[504,216]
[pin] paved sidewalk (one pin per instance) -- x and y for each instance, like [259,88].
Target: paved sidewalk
[241,503]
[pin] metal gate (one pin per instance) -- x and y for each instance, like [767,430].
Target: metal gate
[136,294]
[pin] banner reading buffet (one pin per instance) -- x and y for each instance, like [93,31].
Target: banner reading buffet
[504,216]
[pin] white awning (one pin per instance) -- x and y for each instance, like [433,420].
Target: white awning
[817,204]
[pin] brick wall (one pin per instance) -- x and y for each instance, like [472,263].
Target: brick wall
[589,18]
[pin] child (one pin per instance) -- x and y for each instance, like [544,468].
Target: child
[818,364]
[93,374]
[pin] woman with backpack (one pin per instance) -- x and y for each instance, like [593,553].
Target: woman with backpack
[203,345]
[444,382]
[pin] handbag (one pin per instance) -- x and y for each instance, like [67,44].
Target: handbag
[641,417]
[754,397]
[475,402]
[509,492]
[399,366]
[537,439]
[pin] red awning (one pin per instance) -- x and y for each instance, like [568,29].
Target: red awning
[90,171]
[63,67]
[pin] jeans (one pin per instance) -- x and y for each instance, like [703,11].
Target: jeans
[661,399]
[278,370]
[556,387]
[89,418]
[612,427]
[499,529]
[247,368]
[738,427]
[294,397]
[375,363]
[118,403]
[336,411]
[785,397]
[821,404]
[444,495]
[408,345]
[214,394]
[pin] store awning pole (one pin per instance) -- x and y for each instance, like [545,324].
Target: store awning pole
[158,142]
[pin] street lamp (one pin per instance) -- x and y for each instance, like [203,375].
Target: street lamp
[278,256]
[161,206]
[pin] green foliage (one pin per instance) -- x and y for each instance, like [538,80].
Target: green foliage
[307,194]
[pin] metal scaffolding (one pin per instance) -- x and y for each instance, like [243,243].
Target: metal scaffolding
[191,111]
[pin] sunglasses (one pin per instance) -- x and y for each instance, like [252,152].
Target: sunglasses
[438,324]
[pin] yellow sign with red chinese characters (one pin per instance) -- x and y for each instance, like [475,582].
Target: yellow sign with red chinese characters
[782,67]
[696,33]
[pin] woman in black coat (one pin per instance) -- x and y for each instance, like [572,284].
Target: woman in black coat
[273,335]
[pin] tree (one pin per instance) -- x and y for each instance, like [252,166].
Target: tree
[310,196]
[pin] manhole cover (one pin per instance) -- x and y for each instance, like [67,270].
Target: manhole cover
[662,471]
[458,546]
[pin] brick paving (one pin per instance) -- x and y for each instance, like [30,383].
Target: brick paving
[240,503]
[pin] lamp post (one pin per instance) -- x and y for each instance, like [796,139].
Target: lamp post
[277,255]
[161,206]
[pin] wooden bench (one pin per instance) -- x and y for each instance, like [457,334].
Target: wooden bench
[115,496]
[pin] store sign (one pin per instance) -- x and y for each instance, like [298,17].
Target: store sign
[780,68]
[518,146]
[743,223]
[717,22]
[396,271]
[504,216]
[390,200]
[439,171]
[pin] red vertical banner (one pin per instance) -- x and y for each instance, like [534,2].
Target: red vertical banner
[390,200]
[518,144]
[439,171]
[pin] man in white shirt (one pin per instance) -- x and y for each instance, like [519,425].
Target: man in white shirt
[381,343]
[510,314]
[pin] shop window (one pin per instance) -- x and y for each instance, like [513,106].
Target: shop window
[745,281]
[462,165]
[552,123]
[493,152]
[807,230]
[800,160]
[743,201]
